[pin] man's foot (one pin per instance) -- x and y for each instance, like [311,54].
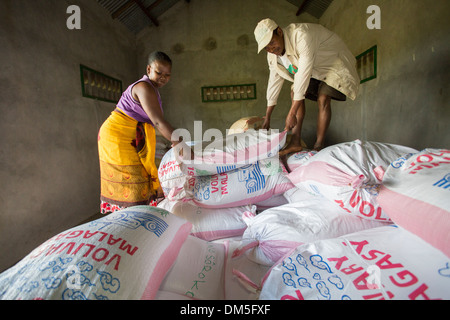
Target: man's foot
[318,147]
[290,148]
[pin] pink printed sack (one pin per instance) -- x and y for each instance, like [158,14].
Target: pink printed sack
[169,172]
[122,256]
[232,152]
[350,174]
[297,159]
[243,186]
[416,195]
[385,263]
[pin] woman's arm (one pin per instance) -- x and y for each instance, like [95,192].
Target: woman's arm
[146,95]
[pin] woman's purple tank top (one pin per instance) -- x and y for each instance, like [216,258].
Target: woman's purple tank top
[128,105]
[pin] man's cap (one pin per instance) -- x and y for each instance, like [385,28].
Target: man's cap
[264,32]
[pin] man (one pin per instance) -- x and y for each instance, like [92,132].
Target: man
[319,64]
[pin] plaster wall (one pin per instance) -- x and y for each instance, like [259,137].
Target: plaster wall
[49,169]
[408,102]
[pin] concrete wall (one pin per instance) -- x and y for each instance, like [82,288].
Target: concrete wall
[408,102]
[49,169]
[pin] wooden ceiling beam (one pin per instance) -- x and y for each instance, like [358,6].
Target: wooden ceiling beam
[124,7]
[302,6]
[140,5]
[154,5]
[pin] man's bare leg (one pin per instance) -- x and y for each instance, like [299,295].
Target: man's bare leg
[323,120]
[295,145]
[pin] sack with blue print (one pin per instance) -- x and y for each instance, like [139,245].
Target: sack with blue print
[243,186]
[384,263]
[122,256]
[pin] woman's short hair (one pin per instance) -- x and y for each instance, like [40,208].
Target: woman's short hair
[158,56]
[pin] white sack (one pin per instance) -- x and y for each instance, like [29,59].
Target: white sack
[275,201]
[379,263]
[211,224]
[242,276]
[164,295]
[297,159]
[122,256]
[299,193]
[350,174]
[276,231]
[170,174]
[198,271]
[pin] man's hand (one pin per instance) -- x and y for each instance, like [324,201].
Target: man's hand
[291,122]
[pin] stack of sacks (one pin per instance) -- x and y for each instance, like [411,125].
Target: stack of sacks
[350,174]
[416,195]
[224,181]
[122,256]
[379,263]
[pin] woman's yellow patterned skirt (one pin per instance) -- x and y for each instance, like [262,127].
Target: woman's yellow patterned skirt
[128,172]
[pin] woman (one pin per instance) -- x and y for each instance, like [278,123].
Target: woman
[126,141]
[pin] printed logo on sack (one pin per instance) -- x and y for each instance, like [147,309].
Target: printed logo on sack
[201,188]
[134,220]
[398,163]
[444,182]
[253,177]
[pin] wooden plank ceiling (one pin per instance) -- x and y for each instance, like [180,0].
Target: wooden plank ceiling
[314,7]
[138,14]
